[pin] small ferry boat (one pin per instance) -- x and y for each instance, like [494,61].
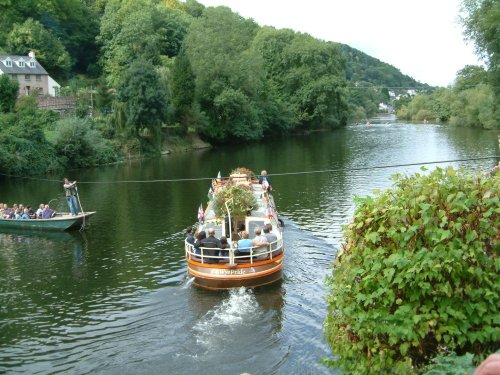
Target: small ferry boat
[60,222]
[232,267]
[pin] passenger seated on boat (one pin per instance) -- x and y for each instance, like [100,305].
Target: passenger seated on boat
[25,215]
[224,252]
[40,211]
[200,236]
[244,245]
[270,236]
[210,246]
[189,235]
[6,211]
[259,242]
[31,213]
[18,214]
[48,212]
[241,229]
[13,211]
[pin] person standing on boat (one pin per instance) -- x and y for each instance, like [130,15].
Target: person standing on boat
[265,181]
[70,190]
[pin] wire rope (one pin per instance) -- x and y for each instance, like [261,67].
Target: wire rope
[270,174]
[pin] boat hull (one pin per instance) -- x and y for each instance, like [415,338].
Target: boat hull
[61,222]
[223,276]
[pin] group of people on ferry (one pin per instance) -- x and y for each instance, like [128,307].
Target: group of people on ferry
[20,212]
[44,211]
[214,247]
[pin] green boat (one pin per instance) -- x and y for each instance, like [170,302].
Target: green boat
[60,222]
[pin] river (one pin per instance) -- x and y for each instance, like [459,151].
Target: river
[116,299]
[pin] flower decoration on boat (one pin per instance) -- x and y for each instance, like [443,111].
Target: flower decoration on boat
[242,200]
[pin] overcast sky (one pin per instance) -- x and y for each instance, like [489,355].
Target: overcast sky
[422,38]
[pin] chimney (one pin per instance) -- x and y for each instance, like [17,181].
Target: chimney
[31,54]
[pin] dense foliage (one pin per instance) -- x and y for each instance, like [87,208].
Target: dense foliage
[419,273]
[8,93]
[240,200]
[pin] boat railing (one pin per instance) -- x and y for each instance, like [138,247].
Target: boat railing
[213,255]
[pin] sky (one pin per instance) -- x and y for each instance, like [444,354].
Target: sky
[422,38]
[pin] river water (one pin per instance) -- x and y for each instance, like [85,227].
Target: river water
[116,299]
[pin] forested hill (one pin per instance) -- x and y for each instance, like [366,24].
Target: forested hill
[362,68]
[145,72]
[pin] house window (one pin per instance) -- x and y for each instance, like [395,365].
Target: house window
[38,78]
[27,77]
[8,63]
[21,63]
[13,77]
[32,64]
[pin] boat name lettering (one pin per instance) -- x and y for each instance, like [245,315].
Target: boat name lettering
[216,271]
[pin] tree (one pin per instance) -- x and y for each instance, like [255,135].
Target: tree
[127,33]
[194,8]
[9,90]
[481,21]
[470,76]
[182,88]
[144,96]
[171,25]
[305,74]
[418,273]
[50,52]
[229,75]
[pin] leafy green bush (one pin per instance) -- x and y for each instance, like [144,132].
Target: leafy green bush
[79,145]
[24,149]
[419,273]
[243,200]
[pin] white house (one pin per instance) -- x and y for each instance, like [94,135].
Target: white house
[29,74]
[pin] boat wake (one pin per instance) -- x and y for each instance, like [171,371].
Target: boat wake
[188,283]
[235,312]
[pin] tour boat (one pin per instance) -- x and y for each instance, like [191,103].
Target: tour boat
[231,268]
[60,222]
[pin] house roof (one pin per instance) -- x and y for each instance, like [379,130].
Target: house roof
[16,69]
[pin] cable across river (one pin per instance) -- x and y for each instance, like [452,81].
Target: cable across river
[351,169]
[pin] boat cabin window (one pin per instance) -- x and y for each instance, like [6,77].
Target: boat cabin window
[252,224]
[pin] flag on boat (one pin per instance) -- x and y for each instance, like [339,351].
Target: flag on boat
[210,194]
[219,177]
[201,213]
